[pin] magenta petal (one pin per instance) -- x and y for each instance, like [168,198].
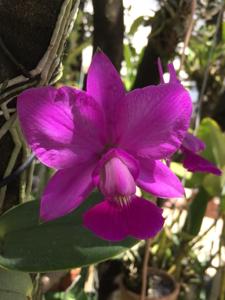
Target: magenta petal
[66,190]
[172,72]
[140,219]
[55,121]
[157,179]
[47,125]
[193,143]
[105,85]
[195,163]
[153,121]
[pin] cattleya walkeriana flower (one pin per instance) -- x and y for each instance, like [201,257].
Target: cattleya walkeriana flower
[191,145]
[109,139]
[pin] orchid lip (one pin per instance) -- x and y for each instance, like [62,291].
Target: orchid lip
[122,200]
[116,180]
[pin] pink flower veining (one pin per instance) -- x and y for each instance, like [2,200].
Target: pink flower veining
[110,139]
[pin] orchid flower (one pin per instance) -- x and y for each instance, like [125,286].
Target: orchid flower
[109,139]
[191,145]
[192,160]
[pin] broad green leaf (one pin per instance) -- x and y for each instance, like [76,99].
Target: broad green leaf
[196,213]
[222,198]
[212,184]
[28,245]
[15,285]
[211,134]
[222,203]
[195,180]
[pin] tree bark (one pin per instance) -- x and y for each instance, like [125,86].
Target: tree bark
[32,38]
[109,29]
[169,26]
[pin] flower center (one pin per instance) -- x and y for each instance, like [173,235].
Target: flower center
[116,181]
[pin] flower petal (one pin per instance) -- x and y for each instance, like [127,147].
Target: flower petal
[140,219]
[172,72]
[66,190]
[105,86]
[157,179]
[55,121]
[193,143]
[153,121]
[195,163]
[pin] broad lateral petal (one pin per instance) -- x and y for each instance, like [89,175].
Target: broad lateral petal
[156,178]
[153,121]
[193,143]
[140,219]
[66,190]
[195,163]
[55,121]
[104,85]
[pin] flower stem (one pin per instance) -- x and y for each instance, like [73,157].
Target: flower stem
[145,270]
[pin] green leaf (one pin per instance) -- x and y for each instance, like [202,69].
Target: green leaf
[134,27]
[222,204]
[196,213]
[28,245]
[223,31]
[195,180]
[15,285]
[76,292]
[78,296]
[212,184]
[211,134]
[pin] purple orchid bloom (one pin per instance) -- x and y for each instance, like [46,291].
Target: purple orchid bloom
[193,162]
[109,139]
[190,145]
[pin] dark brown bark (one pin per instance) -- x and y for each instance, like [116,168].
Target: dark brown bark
[169,26]
[109,29]
[26,30]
